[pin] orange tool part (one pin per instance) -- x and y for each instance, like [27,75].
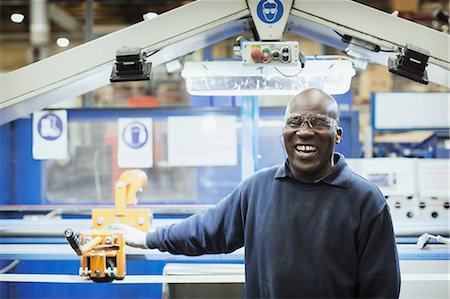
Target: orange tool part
[102,250]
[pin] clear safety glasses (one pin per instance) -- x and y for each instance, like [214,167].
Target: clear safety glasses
[316,122]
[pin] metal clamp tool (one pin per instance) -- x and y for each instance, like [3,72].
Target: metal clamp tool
[102,250]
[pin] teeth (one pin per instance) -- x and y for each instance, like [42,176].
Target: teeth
[306,148]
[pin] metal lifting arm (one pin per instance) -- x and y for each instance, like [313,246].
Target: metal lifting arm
[323,20]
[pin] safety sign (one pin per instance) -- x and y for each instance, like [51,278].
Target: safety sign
[270,11]
[135,144]
[50,135]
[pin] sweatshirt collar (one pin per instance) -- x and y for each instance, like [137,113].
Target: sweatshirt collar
[339,176]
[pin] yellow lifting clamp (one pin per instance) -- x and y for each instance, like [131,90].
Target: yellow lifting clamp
[102,249]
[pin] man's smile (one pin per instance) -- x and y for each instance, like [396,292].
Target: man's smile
[305,151]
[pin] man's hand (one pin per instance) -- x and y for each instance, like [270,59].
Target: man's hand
[133,236]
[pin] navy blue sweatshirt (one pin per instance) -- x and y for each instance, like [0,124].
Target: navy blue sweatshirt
[329,239]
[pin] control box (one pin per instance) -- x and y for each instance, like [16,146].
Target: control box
[270,53]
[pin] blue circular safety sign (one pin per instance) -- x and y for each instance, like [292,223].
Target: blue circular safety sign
[270,11]
[135,135]
[50,127]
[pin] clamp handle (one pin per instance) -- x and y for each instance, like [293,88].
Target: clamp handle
[73,241]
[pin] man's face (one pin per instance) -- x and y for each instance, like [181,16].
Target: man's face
[310,150]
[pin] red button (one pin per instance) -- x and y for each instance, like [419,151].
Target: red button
[256,54]
[266,57]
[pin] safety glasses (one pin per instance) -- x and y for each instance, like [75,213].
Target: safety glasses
[317,122]
[270,11]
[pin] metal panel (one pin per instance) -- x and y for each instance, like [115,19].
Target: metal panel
[5,163]
[27,180]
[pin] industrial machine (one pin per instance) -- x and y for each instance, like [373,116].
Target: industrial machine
[102,250]
[365,34]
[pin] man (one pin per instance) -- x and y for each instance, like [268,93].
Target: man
[311,227]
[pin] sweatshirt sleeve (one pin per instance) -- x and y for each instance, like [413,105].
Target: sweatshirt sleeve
[378,268]
[219,229]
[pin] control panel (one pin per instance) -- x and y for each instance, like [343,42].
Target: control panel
[272,53]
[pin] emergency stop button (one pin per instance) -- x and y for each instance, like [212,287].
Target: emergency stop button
[256,54]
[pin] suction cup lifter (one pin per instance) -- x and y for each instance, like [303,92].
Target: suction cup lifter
[102,249]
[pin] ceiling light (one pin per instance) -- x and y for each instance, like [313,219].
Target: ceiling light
[332,74]
[17,17]
[62,42]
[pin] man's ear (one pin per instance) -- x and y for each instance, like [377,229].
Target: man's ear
[339,132]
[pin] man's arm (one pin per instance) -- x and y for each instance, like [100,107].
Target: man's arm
[216,230]
[378,267]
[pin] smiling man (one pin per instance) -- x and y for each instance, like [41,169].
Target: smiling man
[311,227]
[310,132]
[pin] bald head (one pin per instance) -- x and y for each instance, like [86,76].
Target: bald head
[313,100]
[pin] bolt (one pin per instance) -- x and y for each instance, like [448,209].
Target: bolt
[108,240]
[100,221]
[140,221]
[97,272]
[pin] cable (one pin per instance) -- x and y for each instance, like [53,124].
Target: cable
[147,55]
[282,146]
[341,35]
[347,39]
[9,267]
[53,213]
[288,76]
[328,57]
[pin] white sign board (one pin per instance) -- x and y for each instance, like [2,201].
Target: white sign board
[434,177]
[202,141]
[135,138]
[50,135]
[394,176]
[412,110]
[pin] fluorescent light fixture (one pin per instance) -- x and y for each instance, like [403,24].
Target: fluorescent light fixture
[332,74]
